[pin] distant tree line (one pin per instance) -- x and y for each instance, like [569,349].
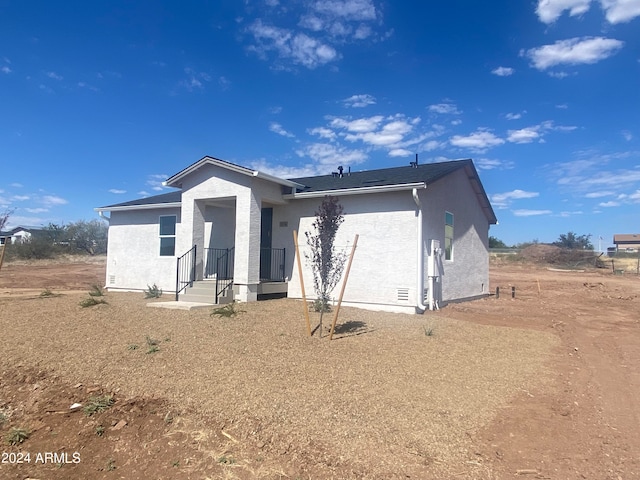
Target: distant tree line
[81,237]
[569,240]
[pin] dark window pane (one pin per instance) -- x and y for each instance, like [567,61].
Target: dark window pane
[167,246]
[168,225]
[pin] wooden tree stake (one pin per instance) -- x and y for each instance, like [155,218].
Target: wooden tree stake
[344,284]
[305,307]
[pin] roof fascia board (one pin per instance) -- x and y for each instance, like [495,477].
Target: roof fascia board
[357,190]
[173,180]
[146,206]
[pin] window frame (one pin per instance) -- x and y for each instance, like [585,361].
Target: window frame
[449,235]
[166,236]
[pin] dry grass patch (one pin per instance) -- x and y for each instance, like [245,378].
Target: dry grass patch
[308,406]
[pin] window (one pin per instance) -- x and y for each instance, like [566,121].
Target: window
[448,236]
[167,235]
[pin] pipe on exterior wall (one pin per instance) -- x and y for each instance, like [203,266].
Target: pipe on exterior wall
[420,278]
[103,216]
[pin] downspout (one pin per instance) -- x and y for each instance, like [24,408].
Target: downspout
[420,278]
[103,216]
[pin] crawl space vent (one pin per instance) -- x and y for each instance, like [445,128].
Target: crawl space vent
[112,279]
[402,294]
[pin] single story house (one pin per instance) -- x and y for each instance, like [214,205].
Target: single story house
[423,234]
[627,242]
[18,235]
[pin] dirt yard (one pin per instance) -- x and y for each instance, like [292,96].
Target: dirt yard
[543,385]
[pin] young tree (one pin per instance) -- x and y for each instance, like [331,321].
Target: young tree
[88,236]
[4,218]
[327,263]
[573,241]
[495,242]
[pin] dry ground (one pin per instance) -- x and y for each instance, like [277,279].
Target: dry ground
[541,386]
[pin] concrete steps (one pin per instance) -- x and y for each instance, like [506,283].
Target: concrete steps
[204,291]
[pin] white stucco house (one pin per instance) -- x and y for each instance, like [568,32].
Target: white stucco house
[18,235]
[423,234]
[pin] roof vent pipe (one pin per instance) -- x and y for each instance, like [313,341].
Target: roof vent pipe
[340,169]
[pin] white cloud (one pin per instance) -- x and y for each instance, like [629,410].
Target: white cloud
[360,125]
[400,152]
[599,194]
[155,181]
[275,127]
[503,71]
[54,75]
[346,9]
[287,171]
[479,141]
[549,11]
[5,69]
[20,198]
[359,101]
[609,204]
[297,47]
[52,200]
[620,11]
[503,200]
[491,164]
[328,154]
[583,50]
[524,135]
[514,116]
[117,191]
[194,80]
[16,185]
[447,108]
[37,210]
[530,213]
[323,132]
[627,135]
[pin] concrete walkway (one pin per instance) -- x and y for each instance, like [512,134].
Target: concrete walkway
[173,305]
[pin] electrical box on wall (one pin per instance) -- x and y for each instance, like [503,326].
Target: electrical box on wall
[432,260]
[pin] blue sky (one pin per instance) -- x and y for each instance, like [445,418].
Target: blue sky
[101,101]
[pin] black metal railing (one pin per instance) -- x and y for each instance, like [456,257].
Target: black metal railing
[223,265]
[272,264]
[218,262]
[185,271]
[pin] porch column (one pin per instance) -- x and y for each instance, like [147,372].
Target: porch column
[197,235]
[247,246]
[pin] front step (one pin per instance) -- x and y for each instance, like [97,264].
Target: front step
[204,291]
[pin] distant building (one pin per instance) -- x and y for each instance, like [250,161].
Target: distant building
[629,242]
[18,235]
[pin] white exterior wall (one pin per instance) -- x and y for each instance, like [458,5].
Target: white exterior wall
[385,258]
[133,252]
[467,274]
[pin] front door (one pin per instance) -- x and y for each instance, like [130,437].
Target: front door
[266,226]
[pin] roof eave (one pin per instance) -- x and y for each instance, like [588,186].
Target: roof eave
[356,190]
[174,180]
[146,206]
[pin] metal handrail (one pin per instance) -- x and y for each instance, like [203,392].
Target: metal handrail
[186,270]
[272,262]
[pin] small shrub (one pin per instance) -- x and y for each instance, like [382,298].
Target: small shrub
[46,293]
[152,345]
[229,310]
[91,301]
[428,331]
[96,291]
[3,418]
[15,436]
[133,346]
[98,404]
[152,291]
[111,465]
[100,430]
[226,460]
[321,305]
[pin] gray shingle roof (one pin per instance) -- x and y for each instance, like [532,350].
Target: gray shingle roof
[170,197]
[428,173]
